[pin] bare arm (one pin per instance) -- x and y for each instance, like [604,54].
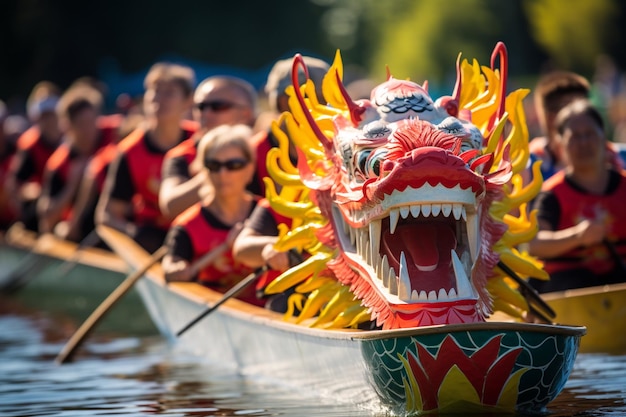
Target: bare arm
[552,243]
[176,194]
[50,207]
[255,250]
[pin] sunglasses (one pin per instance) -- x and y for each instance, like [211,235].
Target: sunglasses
[216,106]
[236,164]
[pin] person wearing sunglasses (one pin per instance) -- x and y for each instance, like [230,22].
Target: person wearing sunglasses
[225,156]
[218,100]
[129,201]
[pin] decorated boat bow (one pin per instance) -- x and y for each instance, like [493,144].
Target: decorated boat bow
[406,205]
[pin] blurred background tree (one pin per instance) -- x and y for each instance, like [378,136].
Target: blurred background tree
[61,40]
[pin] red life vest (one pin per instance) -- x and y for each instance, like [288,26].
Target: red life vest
[145,172]
[31,142]
[7,214]
[225,272]
[577,206]
[188,149]
[61,159]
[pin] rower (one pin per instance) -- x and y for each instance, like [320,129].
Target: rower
[129,202]
[227,162]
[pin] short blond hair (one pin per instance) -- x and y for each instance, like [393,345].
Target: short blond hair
[225,136]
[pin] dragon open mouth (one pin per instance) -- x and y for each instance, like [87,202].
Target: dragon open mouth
[420,252]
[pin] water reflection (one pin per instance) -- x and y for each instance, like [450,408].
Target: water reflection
[119,375]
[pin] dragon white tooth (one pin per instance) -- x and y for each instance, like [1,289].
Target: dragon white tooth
[432,296]
[473,236]
[443,295]
[415,210]
[404,282]
[446,209]
[374,228]
[384,271]
[423,296]
[452,293]
[464,213]
[415,295]
[394,216]
[456,211]
[362,242]
[435,209]
[426,210]
[463,285]
[393,282]
[404,211]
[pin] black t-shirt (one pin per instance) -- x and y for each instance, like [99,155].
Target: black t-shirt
[176,167]
[262,222]
[549,209]
[27,167]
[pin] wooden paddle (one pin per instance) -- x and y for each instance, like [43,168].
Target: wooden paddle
[236,289]
[531,295]
[80,335]
[125,246]
[294,259]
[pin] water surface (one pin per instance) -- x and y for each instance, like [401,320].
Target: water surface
[122,374]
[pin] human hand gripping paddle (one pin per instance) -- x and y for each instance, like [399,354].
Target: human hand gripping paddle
[294,259]
[121,243]
[531,295]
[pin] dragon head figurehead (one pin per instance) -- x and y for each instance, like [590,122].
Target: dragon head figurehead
[402,201]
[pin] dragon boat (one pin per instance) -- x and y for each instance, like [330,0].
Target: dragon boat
[50,274]
[475,367]
[601,309]
[405,209]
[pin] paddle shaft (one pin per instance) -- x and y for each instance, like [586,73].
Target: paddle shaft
[236,289]
[208,258]
[529,293]
[79,336]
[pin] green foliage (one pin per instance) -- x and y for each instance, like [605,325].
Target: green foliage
[573,32]
[421,39]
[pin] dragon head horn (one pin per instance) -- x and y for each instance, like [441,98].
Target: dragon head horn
[298,61]
[500,51]
[356,110]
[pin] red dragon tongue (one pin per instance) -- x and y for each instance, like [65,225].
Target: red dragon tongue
[427,246]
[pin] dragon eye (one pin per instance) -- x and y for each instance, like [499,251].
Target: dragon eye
[362,160]
[374,162]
